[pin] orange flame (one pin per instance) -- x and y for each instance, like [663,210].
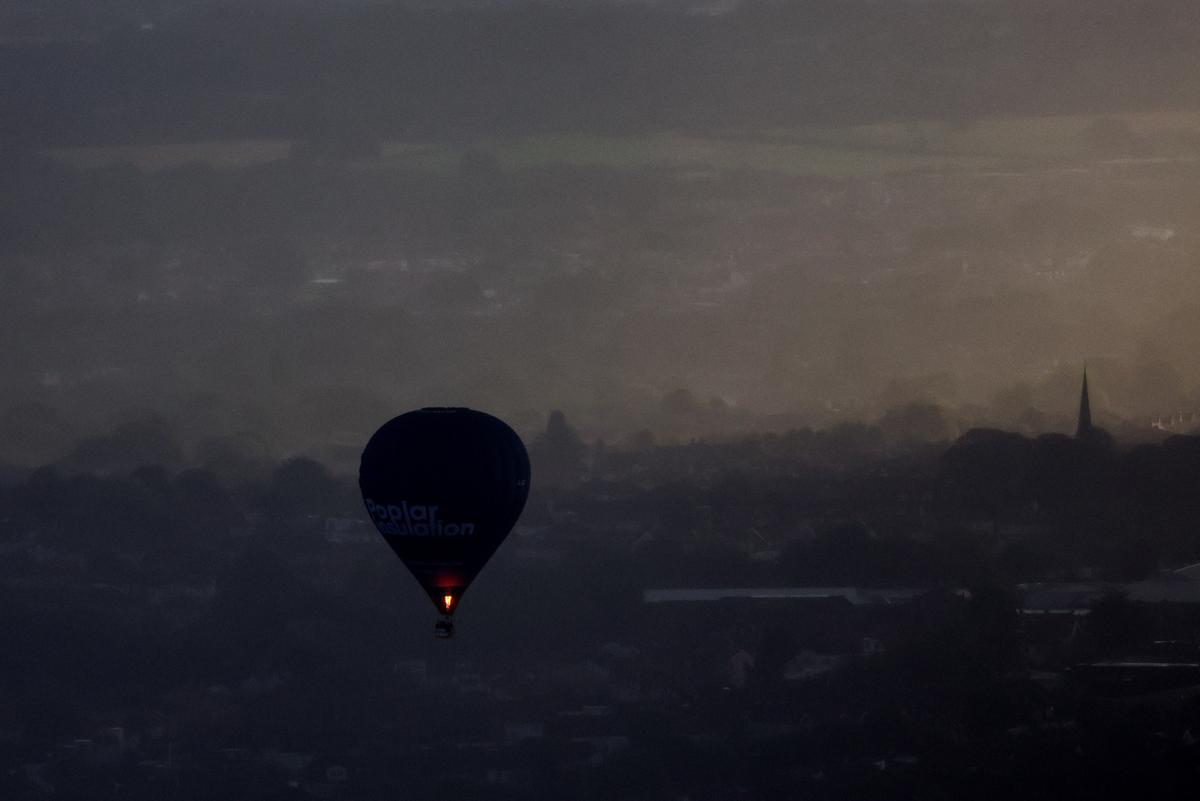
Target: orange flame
[448,600]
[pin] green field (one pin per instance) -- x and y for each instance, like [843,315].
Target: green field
[1049,137]
[715,153]
[863,150]
[624,152]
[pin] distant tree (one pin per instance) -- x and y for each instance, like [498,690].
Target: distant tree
[202,503]
[302,486]
[1133,557]
[247,626]
[849,553]
[1056,465]
[597,457]
[848,442]
[558,452]
[642,440]
[993,636]
[33,434]
[1115,627]
[915,423]
[1024,560]
[960,556]
[148,441]
[775,649]
[985,474]
[243,458]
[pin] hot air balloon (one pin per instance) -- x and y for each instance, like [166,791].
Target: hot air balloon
[444,486]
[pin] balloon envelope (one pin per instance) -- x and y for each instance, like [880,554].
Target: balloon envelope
[444,486]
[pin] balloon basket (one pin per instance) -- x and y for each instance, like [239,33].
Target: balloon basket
[443,629]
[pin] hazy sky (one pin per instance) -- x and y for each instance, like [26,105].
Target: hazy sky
[298,218]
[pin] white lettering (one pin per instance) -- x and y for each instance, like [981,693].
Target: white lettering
[414,520]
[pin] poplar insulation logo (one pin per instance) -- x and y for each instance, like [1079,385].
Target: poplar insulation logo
[414,521]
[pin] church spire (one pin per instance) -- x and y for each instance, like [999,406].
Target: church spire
[1085,410]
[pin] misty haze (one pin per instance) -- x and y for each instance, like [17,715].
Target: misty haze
[852,343]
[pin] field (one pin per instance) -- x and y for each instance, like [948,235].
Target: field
[1075,136]
[731,152]
[862,151]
